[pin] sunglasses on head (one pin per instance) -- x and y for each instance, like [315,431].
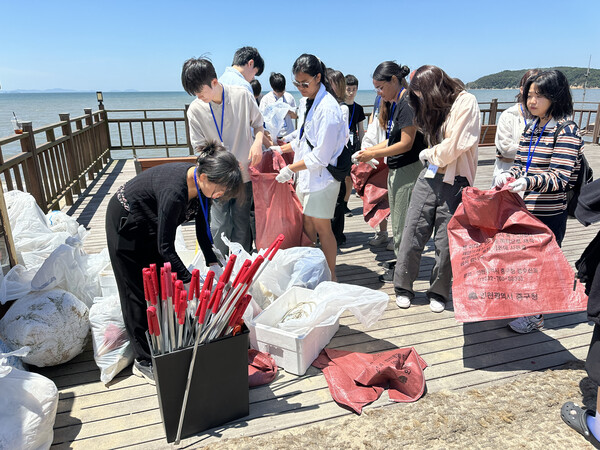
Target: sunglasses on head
[305,84]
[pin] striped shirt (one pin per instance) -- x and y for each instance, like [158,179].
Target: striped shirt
[553,169]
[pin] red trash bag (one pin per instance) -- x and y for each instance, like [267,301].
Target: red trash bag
[262,368]
[371,186]
[505,262]
[277,209]
[357,379]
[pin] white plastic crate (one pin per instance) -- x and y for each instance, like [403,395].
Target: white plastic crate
[292,352]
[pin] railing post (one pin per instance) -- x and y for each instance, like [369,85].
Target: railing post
[33,174]
[72,160]
[187,130]
[596,135]
[95,147]
[493,111]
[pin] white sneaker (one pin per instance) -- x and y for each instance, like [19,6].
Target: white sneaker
[380,238]
[437,306]
[390,245]
[402,301]
[527,324]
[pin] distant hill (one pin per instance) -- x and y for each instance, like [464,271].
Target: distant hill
[510,79]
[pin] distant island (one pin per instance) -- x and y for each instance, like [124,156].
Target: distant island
[510,79]
[57,91]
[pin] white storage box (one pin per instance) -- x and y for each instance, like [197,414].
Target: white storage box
[292,352]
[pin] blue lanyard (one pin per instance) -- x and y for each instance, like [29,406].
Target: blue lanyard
[529,152]
[523,113]
[204,206]
[215,120]
[352,118]
[389,127]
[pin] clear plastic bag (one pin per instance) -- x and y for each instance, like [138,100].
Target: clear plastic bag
[331,300]
[274,117]
[112,348]
[27,407]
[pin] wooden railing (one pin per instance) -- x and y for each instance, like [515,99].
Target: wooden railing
[56,160]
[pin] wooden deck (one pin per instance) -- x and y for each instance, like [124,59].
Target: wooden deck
[460,356]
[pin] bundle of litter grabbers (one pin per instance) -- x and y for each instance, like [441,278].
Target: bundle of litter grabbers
[178,318]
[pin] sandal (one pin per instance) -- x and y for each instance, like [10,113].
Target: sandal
[576,418]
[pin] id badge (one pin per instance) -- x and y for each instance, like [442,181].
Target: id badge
[431,171]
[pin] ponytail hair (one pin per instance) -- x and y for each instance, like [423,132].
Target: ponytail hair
[221,167]
[311,65]
[388,69]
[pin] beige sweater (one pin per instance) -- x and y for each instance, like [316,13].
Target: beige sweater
[456,155]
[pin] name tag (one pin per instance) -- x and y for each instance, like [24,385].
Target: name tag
[431,171]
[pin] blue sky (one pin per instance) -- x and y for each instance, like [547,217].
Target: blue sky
[118,45]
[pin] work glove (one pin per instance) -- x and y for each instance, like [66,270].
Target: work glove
[518,185]
[372,162]
[285,175]
[354,157]
[276,148]
[501,179]
[423,156]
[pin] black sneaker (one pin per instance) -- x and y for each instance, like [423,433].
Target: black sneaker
[389,265]
[387,277]
[143,369]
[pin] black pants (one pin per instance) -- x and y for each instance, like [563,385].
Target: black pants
[558,225]
[131,249]
[338,221]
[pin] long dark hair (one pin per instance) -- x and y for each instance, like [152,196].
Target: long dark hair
[221,167]
[437,93]
[311,65]
[553,85]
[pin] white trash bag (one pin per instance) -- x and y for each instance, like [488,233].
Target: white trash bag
[112,349]
[54,324]
[329,300]
[27,407]
[16,283]
[13,360]
[60,221]
[297,266]
[274,116]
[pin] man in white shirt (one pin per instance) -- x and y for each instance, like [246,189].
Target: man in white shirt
[227,114]
[277,82]
[247,64]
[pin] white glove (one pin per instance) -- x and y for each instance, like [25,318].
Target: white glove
[285,175]
[217,269]
[276,148]
[518,185]
[354,157]
[501,179]
[423,156]
[373,163]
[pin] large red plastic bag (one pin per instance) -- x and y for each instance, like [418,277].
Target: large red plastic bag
[27,407]
[505,262]
[262,368]
[371,186]
[357,379]
[277,209]
[112,349]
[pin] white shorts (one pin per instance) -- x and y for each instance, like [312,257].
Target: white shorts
[320,204]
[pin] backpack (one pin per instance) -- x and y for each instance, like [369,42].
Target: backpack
[585,175]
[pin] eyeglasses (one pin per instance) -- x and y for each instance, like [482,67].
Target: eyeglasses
[305,84]
[380,88]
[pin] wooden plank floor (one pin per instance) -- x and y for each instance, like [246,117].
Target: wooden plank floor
[460,356]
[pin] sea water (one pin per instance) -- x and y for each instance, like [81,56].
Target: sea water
[43,108]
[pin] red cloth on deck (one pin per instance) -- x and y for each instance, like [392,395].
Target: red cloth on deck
[371,186]
[262,369]
[357,379]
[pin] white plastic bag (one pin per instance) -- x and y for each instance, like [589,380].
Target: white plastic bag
[10,360]
[67,268]
[274,116]
[55,324]
[297,266]
[60,221]
[27,407]
[16,283]
[331,299]
[112,349]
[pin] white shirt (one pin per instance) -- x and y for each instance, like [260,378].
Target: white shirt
[271,98]
[327,130]
[508,133]
[239,116]
[234,77]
